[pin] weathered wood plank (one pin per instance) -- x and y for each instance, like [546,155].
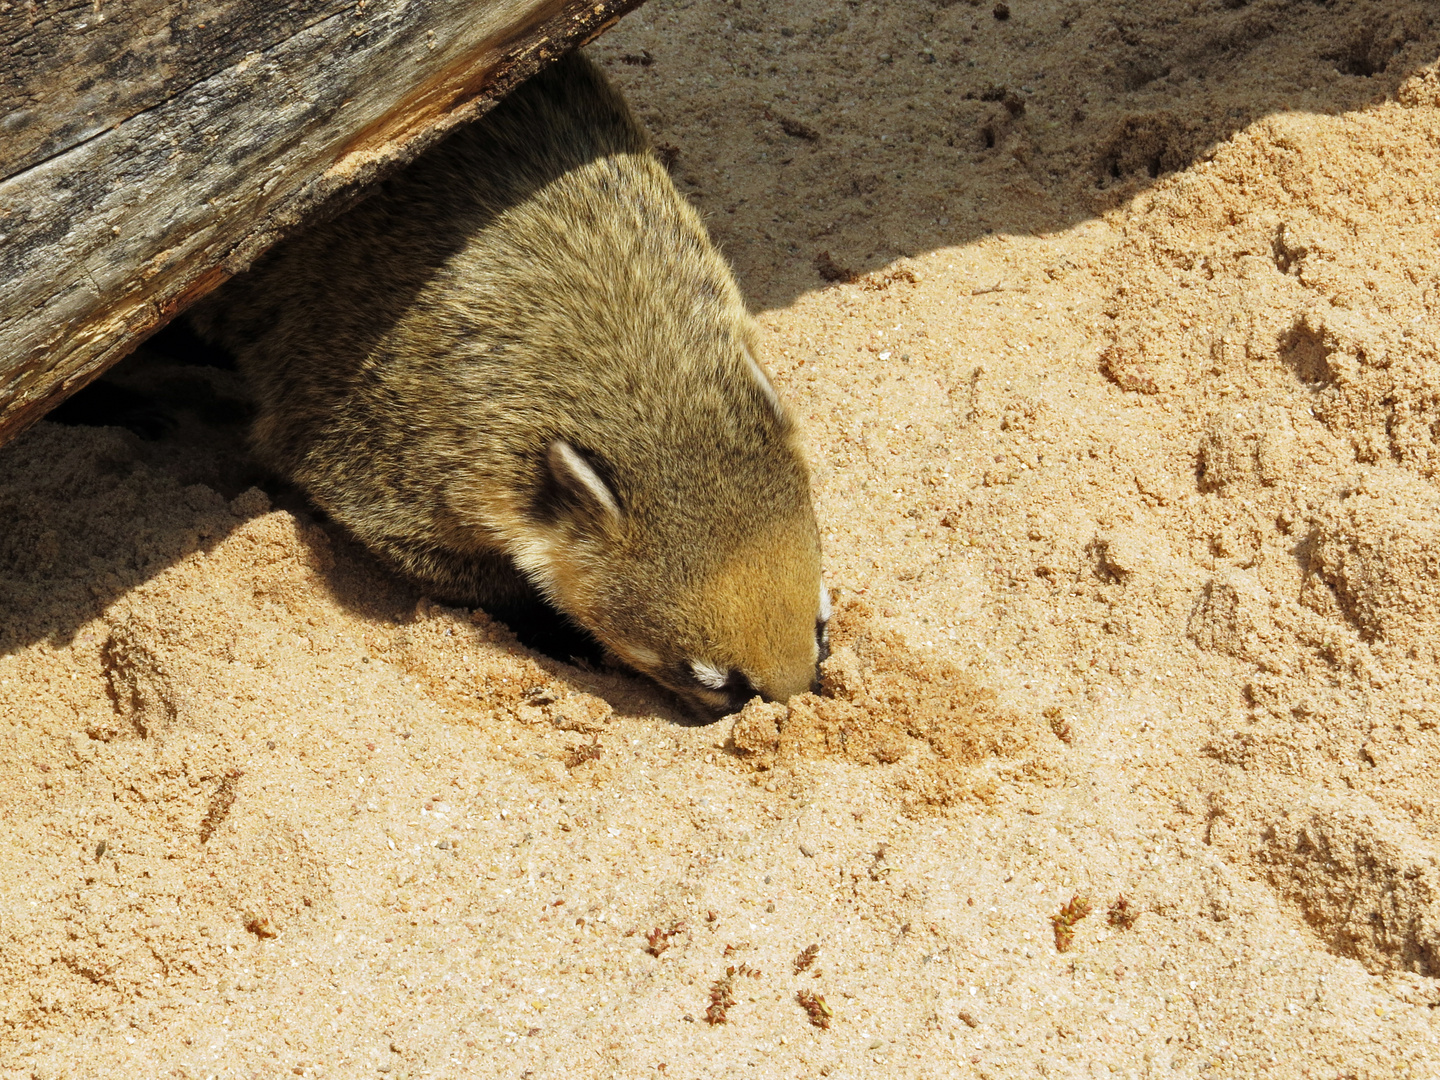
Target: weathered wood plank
[103,243]
[74,68]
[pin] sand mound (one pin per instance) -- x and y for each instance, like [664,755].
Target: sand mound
[1369,887]
[883,702]
[1375,555]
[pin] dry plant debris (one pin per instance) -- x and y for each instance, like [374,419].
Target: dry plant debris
[590,751]
[1121,914]
[806,958]
[1065,919]
[722,997]
[658,940]
[815,1008]
[722,993]
[878,866]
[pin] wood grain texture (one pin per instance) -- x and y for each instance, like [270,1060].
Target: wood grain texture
[74,68]
[108,235]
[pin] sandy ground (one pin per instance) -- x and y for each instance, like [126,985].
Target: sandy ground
[1114,329]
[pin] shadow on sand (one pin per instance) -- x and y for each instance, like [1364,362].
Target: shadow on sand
[814,153]
[825,138]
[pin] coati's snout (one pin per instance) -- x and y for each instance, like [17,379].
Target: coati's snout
[763,614]
[716,631]
[756,628]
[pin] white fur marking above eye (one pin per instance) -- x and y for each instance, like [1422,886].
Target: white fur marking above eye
[708,674]
[824,603]
[567,463]
[764,381]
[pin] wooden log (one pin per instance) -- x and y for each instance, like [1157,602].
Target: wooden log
[151,149]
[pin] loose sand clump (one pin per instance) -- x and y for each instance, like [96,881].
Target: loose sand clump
[882,702]
[1368,886]
[1375,556]
[1114,330]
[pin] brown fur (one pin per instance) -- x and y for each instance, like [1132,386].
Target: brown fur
[521,367]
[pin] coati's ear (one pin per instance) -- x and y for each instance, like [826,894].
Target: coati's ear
[767,388]
[579,482]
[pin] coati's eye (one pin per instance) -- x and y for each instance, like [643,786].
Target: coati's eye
[729,690]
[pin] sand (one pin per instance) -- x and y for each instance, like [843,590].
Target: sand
[1113,327]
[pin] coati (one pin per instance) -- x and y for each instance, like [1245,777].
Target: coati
[520,369]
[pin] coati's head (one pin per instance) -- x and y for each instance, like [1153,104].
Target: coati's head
[689,549]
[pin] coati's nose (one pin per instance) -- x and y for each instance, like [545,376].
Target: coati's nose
[738,690]
[790,683]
